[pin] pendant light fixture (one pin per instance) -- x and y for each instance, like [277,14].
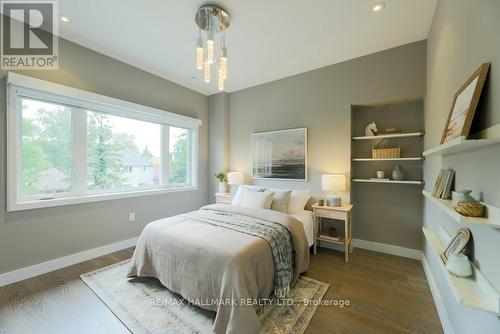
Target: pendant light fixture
[213,21]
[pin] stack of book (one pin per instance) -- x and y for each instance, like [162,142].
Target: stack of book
[444,183]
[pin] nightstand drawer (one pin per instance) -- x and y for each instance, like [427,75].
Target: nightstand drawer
[326,213]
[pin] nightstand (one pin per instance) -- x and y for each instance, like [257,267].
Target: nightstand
[223,198]
[342,213]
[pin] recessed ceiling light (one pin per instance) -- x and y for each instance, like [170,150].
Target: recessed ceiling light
[378,6]
[64,19]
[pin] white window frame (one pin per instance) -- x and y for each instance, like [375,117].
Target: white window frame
[19,86]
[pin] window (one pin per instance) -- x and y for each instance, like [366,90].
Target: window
[114,142]
[46,145]
[68,146]
[178,155]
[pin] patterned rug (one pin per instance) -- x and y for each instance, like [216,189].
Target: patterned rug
[137,302]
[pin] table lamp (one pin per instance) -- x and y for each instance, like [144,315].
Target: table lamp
[334,183]
[234,179]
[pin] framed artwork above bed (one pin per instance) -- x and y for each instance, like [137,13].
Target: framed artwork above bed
[280,155]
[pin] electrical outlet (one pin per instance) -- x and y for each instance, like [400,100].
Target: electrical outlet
[131,216]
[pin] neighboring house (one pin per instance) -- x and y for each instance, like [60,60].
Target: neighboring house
[137,170]
[53,181]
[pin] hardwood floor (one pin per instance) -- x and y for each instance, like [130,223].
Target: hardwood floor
[387,294]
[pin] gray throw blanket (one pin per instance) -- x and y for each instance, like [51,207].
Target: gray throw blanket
[276,235]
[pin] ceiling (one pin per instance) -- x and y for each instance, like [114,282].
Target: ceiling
[267,40]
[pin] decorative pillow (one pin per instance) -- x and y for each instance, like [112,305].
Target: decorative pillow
[298,200]
[257,199]
[280,200]
[241,190]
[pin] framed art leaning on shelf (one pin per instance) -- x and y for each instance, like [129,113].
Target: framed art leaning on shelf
[457,244]
[464,105]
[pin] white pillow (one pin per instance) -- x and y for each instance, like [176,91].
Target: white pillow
[280,200]
[257,199]
[298,200]
[241,190]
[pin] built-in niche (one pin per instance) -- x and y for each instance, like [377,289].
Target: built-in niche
[388,210]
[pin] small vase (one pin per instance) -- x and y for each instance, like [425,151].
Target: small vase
[398,174]
[222,187]
[461,196]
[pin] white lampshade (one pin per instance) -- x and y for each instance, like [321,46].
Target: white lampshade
[333,182]
[235,178]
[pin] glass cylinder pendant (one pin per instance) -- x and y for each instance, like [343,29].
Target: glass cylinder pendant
[223,67]
[220,81]
[210,51]
[199,54]
[207,71]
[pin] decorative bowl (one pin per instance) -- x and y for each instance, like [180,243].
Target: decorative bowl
[459,265]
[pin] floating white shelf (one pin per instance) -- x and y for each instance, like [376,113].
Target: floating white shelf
[475,291]
[396,135]
[460,144]
[493,214]
[387,181]
[389,159]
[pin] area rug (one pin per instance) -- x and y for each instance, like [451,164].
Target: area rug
[140,304]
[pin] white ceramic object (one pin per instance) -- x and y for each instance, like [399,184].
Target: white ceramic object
[371,130]
[459,265]
[461,196]
[380,174]
[333,200]
[223,187]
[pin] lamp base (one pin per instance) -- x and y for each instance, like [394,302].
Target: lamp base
[333,200]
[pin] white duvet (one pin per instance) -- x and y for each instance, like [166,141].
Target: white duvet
[306,218]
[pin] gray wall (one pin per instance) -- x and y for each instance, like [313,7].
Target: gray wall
[321,101]
[218,140]
[34,236]
[400,205]
[463,35]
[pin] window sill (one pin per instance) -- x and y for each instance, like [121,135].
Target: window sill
[61,201]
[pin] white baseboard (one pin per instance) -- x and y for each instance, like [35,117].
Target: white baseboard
[379,247]
[388,249]
[438,301]
[51,265]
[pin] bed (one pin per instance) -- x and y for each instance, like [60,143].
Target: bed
[215,258]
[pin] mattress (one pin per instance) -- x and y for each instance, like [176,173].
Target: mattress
[306,218]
